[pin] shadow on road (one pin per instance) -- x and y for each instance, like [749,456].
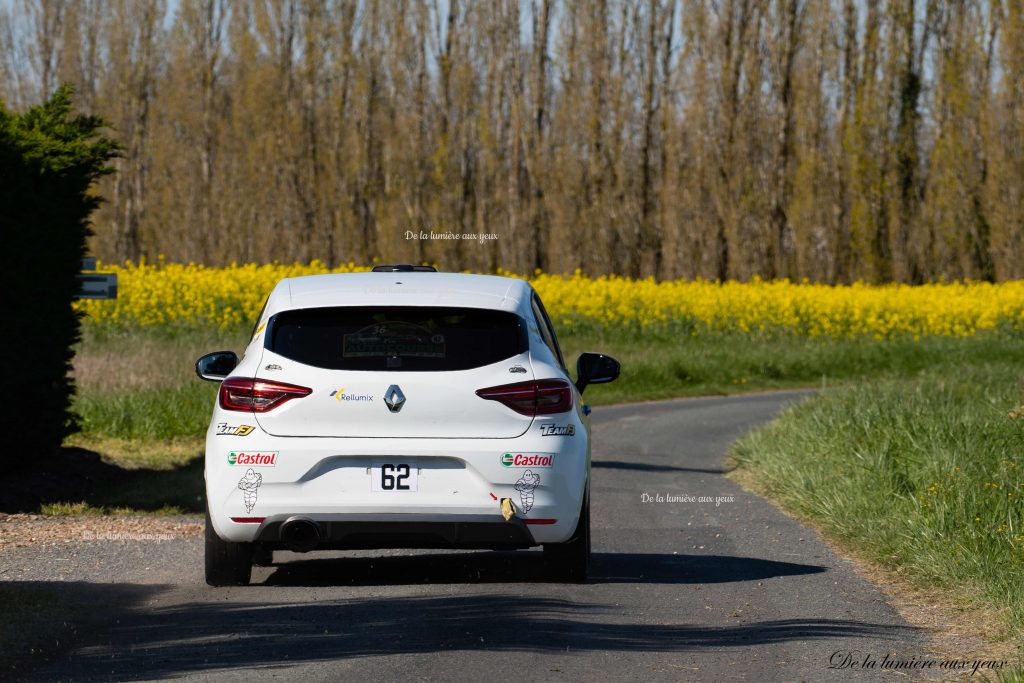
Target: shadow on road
[528,567]
[218,635]
[265,626]
[41,620]
[75,475]
[647,467]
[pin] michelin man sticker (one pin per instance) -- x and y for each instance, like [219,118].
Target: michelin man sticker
[526,484]
[249,484]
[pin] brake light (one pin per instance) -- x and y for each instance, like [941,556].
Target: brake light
[257,395]
[536,397]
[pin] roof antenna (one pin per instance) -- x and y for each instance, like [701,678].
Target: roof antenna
[403,268]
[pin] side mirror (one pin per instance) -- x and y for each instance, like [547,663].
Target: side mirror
[217,365]
[595,368]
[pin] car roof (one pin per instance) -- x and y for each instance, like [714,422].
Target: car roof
[401,289]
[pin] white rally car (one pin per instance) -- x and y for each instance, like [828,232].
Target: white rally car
[399,408]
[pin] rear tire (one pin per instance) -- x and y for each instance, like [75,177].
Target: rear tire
[570,561]
[227,563]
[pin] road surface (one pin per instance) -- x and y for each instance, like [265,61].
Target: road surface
[682,589]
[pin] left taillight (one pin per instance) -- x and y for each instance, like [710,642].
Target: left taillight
[257,395]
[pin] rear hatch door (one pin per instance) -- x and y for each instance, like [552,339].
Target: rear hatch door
[395,372]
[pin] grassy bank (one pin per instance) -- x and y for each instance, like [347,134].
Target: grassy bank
[923,474]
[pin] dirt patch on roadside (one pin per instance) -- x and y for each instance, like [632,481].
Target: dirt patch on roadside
[22,530]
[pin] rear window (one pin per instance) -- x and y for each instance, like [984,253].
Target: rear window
[407,338]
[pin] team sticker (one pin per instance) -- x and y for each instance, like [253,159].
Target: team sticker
[224,429]
[552,429]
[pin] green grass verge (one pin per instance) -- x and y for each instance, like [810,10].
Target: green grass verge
[138,400]
[158,414]
[922,473]
[86,509]
[666,367]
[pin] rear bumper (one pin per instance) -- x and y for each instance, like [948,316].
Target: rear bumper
[352,534]
[456,505]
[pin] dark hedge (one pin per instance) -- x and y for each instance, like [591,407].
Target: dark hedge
[49,160]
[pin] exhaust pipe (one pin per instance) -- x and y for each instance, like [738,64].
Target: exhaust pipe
[300,535]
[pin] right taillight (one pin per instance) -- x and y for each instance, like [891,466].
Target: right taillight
[536,397]
[257,395]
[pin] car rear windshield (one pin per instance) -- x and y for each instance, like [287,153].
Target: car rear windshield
[407,338]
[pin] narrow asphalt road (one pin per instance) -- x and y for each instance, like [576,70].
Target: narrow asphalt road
[682,589]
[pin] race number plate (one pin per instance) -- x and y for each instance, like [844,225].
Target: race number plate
[394,475]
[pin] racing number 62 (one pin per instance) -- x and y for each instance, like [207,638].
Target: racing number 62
[394,482]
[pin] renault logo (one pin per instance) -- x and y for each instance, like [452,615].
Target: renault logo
[394,398]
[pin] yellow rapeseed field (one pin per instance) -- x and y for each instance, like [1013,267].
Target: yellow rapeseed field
[194,295]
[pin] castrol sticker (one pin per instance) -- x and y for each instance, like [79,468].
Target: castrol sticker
[253,458]
[527,459]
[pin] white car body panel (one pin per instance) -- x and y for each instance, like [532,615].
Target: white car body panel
[437,403]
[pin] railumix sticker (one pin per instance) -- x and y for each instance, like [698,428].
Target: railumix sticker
[528,459]
[256,458]
[340,395]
